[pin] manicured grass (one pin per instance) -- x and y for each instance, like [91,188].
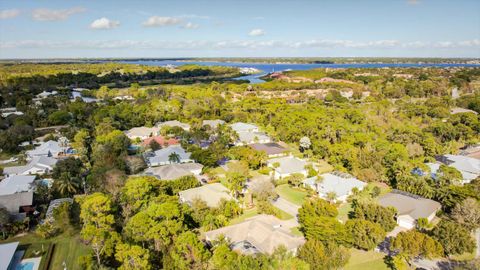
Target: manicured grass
[365,260]
[67,248]
[246,214]
[296,231]
[294,195]
[343,211]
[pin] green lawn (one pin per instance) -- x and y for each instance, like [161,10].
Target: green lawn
[66,249]
[246,214]
[365,260]
[294,195]
[343,211]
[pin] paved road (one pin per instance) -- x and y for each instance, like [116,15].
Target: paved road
[290,208]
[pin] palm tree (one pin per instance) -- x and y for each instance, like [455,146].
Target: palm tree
[331,196]
[66,184]
[174,158]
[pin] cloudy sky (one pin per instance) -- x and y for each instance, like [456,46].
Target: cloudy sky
[218,28]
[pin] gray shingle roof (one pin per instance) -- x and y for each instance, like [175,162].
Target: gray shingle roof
[409,204]
[212,194]
[340,184]
[16,184]
[173,171]
[288,164]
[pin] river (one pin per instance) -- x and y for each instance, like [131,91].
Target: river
[267,68]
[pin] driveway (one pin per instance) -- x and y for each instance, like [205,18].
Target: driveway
[286,206]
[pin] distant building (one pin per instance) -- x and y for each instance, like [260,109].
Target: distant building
[244,127]
[341,184]
[410,207]
[38,165]
[212,194]
[162,141]
[174,123]
[175,171]
[287,166]
[258,234]
[17,192]
[469,167]
[271,149]
[46,94]
[162,156]
[213,123]
[49,149]
[461,110]
[141,133]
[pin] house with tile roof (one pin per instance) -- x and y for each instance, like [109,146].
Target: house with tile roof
[285,166]
[175,171]
[17,191]
[212,194]
[272,149]
[258,234]
[340,184]
[410,207]
[141,133]
[37,165]
[162,156]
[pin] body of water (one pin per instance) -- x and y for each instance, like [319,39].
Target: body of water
[268,68]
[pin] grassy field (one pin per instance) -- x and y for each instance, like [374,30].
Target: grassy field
[365,260]
[343,211]
[294,195]
[67,249]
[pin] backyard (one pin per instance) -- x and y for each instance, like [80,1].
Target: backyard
[365,260]
[67,249]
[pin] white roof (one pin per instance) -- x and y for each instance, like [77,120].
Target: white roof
[36,162]
[142,132]
[163,154]
[288,164]
[52,147]
[239,127]
[341,184]
[174,123]
[173,171]
[247,136]
[212,194]
[213,123]
[6,254]
[16,184]
[463,163]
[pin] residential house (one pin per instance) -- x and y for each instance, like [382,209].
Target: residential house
[340,184]
[7,256]
[174,123]
[286,166]
[162,141]
[271,149]
[409,207]
[244,127]
[38,165]
[472,152]
[212,194]
[469,167]
[162,156]
[213,123]
[16,192]
[142,133]
[258,234]
[245,138]
[46,94]
[175,171]
[10,111]
[50,149]
[456,110]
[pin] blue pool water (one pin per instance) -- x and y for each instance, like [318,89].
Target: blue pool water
[25,266]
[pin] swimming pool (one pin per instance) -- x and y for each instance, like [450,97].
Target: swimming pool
[25,266]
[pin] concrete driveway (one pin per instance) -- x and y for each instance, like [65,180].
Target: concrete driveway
[286,206]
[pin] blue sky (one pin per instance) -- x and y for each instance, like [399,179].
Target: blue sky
[180,28]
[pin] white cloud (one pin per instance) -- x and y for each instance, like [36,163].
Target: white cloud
[237,44]
[9,13]
[190,25]
[45,14]
[104,23]
[162,21]
[193,16]
[256,32]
